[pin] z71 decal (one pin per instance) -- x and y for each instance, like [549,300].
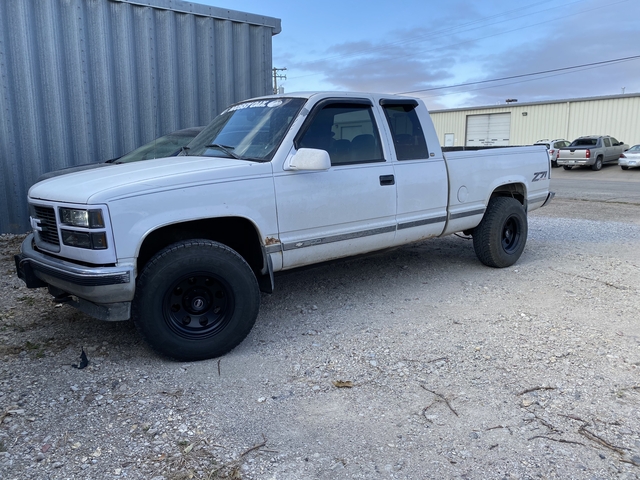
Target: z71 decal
[539,176]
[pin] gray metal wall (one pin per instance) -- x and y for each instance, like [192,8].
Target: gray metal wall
[88,80]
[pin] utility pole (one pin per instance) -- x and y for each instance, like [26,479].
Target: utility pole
[276,76]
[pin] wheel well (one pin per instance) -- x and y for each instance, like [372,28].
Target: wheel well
[237,233]
[514,190]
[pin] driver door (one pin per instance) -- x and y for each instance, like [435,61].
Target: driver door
[349,208]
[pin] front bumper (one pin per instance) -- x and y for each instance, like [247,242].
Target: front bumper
[102,292]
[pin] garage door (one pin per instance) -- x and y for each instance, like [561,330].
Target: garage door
[488,130]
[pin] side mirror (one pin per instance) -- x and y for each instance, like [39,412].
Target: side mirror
[309,159]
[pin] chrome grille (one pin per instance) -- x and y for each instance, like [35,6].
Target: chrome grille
[47,217]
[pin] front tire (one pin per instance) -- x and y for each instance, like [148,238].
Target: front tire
[196,299]
[500,237]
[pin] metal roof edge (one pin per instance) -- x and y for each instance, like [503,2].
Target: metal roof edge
[543,102]
[192,8]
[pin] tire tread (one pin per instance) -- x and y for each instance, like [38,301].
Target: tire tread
[487,235]
[146,276]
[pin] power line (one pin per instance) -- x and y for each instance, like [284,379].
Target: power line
[506,84]
[604,62]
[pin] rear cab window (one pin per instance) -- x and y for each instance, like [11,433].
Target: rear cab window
[585,142]
[408,137]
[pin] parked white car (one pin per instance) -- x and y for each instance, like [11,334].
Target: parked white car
[630,158]
[552,148]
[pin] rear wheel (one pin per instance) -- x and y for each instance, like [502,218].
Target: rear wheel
[624,167]
[598,165]
[196,299]
[500,237]
[566,167]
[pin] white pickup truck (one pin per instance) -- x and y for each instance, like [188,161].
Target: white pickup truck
[184,245]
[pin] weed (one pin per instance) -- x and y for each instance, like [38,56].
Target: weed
[29,301]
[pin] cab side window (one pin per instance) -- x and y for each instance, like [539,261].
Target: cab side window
[606,142]
[408,137]
[348,132]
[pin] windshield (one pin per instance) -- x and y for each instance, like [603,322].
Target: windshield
[248,131]
[166,146]
[635,148]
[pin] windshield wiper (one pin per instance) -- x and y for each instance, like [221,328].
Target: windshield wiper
[184,150]
[226,149]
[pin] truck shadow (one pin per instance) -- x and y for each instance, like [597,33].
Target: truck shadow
[321,296]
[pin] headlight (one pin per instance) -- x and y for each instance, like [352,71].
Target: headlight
[81,218]
[90,240]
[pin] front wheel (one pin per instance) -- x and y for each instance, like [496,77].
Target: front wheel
[196,299]
[500,237]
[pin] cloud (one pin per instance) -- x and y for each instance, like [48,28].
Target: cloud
[462,45]
[568,47]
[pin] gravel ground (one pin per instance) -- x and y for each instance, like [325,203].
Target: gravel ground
[413,363]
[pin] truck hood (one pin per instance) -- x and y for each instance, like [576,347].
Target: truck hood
[114,181]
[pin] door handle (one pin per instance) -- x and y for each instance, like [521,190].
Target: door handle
[387,180]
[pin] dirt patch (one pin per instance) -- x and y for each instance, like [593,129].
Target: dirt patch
[414,363]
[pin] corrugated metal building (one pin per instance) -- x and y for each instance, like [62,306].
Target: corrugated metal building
[525,123]
[88,80]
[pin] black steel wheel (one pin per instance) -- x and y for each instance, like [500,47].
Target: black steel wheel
[500,238]
[198,305]
[196,299]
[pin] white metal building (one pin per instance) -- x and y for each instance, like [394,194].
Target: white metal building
[525,123]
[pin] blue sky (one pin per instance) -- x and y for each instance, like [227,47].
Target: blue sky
[410,45]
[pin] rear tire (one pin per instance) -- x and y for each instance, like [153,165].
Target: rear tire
[598,165]
[196,299]
[624,167]
[500,237]
[567,167]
